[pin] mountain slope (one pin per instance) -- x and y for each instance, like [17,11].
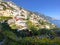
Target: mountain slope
[20,19]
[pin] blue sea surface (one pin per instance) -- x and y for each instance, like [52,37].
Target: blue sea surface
[56,22]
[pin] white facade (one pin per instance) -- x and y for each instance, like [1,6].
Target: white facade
[6,13]
[1,7]
[11,21]
[13,5]
[47,26]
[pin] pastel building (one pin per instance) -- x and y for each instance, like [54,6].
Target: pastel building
[13,5]
[33,19]
[20,20]
[6,13]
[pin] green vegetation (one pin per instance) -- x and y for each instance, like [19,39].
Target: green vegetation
[31,26]
[13,26]
[3,18]
[9,34]
[35,36]
[33,41]
[1,37]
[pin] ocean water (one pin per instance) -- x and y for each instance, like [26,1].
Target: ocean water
[56,22]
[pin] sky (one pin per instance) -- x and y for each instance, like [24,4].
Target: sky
[48,7]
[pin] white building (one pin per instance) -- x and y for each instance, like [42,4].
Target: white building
[11,21]
[1,7]
[20,20]
[47,26]
[21,24]
[13,5]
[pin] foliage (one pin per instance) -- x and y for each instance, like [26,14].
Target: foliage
[9,34]
[1,37]
[33,41]
[5,26]
[13,26]
[3,18]
[26,37]
[31,26]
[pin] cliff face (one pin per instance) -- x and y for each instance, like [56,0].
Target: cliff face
[21,18]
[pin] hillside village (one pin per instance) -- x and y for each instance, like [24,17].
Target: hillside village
[20,17]
[19,26]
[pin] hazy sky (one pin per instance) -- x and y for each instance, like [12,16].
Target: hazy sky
[47,7]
